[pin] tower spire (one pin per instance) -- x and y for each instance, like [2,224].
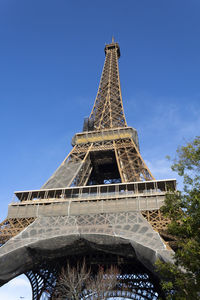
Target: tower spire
[108,109]
[107,150]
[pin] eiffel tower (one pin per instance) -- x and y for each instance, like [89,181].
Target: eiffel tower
[102,204]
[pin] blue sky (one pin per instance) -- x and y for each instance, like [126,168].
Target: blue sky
[51,58]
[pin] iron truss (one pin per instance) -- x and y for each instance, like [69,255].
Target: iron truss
[133,282]
[108,113]
[108,108]
[12,226]
[121,156]
[100,156]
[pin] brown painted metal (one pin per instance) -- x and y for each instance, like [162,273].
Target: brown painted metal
[11,227]
[105,151]
[106,160]
[108,109]
[108,113]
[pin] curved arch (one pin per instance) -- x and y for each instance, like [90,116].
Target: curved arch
[127,233]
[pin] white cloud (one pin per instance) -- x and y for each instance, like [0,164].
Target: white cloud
[18,281]
[163,124]
[17,289]
[164,115]
[160,168]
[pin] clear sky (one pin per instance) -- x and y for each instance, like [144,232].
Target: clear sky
[51,58]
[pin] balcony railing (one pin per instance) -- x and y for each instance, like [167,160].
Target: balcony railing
[105,191]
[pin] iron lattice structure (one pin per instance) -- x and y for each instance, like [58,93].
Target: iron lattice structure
[138,285]
[108,109]
[102,203]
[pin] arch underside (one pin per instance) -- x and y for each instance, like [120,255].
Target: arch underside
[51,239]
[134,282]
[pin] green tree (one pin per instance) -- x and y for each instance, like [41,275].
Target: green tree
[181,280]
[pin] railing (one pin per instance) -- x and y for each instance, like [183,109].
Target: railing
[105,191]
[105,135]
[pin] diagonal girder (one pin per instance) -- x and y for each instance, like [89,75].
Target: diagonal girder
[108,108]
[108,154]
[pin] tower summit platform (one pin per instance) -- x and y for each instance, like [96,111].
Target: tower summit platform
[111,46]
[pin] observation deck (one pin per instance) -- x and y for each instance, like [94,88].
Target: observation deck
[135,196]
[106,135]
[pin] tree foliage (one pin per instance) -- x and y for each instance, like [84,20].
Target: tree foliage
[181,280]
